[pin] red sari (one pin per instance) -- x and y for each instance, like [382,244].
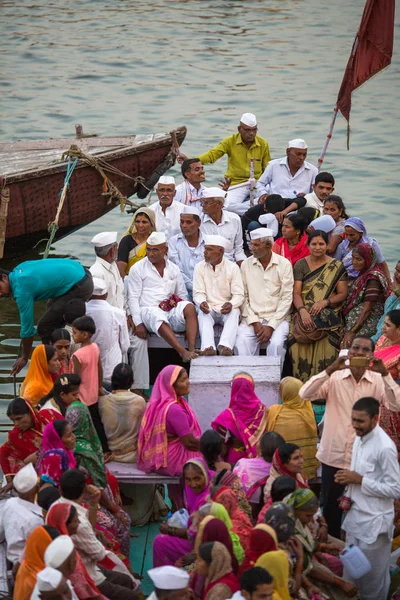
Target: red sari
[389,420]
[20,444]
[300,250]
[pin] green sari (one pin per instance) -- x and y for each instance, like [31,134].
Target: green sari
[88,451]
[311,359]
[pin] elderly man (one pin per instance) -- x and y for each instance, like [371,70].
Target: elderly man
[190,192]
[218,293]
[186,249]
[217,221]
[170,583]
[105,267]
[167,210]
[289,176]
[52,585]
[56,280]
[111,335]
[20,516]
[157,298]
[268,296]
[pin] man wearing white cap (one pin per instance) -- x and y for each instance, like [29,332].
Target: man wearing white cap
[52,585]
[170,583]
[112,336]
[157,298]
[268,287]
[186,249]
[217,221]
[20,516]
[289,176]
[105,267]
[167,210]
[190,192]
[218,292]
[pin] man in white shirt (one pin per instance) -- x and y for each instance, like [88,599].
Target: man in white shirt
[191,191]
[170,583]
[186,249]
[289,176]
[20,516]
[322,188]
[157,298]
[106,250]
[112,336]
[218,293]
[268,296]
[167,210]
[373,483]
[217,221]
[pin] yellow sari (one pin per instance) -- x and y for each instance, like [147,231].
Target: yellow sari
[294,420]
[277,565]
[139,251]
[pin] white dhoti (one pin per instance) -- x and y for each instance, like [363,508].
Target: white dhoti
[153,317]
[375,584]
[229,332]
[247,343]
[139,361]
[238,200]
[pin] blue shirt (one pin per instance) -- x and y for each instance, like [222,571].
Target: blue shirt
[41,280]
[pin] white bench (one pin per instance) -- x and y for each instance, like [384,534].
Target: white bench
[129,473]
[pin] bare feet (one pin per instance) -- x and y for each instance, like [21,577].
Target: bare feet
[188,355]
[210,351]
[225,351]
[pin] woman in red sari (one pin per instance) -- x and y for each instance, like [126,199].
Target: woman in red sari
[243,423]
[293,243]
[241,524]
[287,460]
[24,439]
[388,350]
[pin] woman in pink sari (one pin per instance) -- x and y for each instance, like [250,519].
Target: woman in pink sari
[174,542]
[243,423]
[388,350]
[170,433]
[57,452]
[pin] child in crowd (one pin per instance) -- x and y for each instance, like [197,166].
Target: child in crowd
[61,340]
[75,308]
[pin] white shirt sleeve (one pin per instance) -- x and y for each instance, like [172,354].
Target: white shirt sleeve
[390,486]
[134,285]
[238,243]
[286,297]
[264,181]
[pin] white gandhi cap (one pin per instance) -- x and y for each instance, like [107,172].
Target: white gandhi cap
[104,239]
[298,143]
[156,238]
[214,192]
[48,580]
[188,209]
[261,232]
[99,287]
[169,578]
[248,119]
[217,240]
[166,180]
[26,479]
[58,551]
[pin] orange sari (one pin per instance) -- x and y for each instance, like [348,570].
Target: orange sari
[38,382]
[33,562]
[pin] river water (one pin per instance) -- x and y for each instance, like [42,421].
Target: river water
[138,67]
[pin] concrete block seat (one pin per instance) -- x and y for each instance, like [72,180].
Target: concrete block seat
[129,473]
[153,341]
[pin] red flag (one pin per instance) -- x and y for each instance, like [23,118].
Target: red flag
[372,50]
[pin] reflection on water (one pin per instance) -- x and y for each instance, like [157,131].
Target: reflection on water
[131,67]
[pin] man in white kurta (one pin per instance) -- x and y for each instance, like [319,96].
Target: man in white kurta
[268,291]
[170,583]
[105,267]
[218,293]
[20,516]
[167,210]
[112,336]
[191,190]
[157,298]
[373,484]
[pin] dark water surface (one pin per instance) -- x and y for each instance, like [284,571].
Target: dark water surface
[139,67]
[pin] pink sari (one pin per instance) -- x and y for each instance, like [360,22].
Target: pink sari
[54,459]
[246,417]
[389,420]
[158,451]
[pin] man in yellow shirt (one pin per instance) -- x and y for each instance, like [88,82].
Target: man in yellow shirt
[240,148]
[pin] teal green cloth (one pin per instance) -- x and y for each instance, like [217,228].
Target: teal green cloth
[41,280]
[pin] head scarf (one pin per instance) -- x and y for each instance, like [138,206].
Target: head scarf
[277,565]
[241,523]
[192,500]
[281,469]
[372,271]
[220,570]
[38,381]
[356,224]
[281,518]
[83,584]
[33,562]
[262,539]
[304,500]
[220,512]
[246,417]
[51,441]
[149,212]
[212,529]
[88,450]
[153,438]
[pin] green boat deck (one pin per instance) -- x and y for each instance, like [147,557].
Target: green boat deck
[141,553]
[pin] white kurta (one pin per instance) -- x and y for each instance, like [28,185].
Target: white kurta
[18,519]
[110,274]
[277,179]
[168,222]
[112,336]
[185,257]
[187,194]
[231,229]
[36,594]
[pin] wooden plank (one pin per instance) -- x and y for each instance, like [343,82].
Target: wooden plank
[129,473]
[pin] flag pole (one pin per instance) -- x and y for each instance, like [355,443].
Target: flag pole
[328,138]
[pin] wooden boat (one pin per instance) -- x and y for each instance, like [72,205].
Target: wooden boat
[108,170]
